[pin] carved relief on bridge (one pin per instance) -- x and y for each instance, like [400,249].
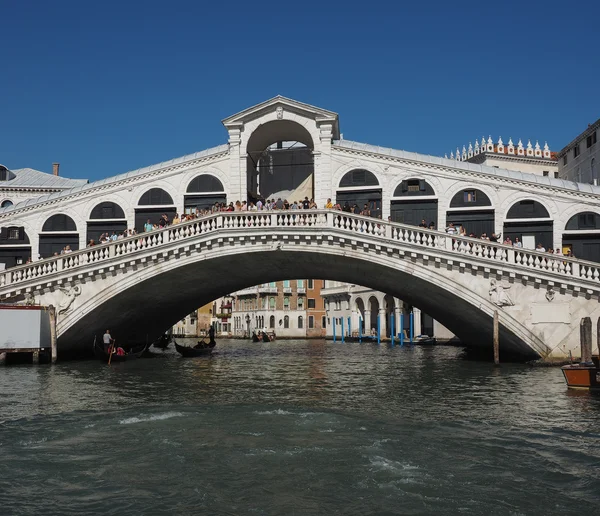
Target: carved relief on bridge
[66,298]
[499,294]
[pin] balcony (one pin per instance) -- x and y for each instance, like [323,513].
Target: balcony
[267,290]
[301,290]
[246,292]
[287,290]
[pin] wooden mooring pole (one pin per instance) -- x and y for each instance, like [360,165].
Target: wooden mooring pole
[496,340]
[585,340]
[53,346]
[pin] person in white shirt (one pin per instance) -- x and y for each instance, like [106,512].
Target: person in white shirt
[107,341]
[451,230]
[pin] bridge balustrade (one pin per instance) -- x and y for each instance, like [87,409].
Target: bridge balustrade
[353,224]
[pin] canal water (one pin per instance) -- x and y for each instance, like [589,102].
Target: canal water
[297,428]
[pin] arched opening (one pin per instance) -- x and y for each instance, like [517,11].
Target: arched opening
[59,234]
[203,192]
[106,218]
[152,205]
[286,322]
[414,201]
[6,203]
[272,322]
[530,222]
[15,248]
[360,310]
[280,162]
[359,191]
[581,237]
[300,322]
[471,209]
[374,313]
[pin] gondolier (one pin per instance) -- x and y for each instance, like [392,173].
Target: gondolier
[107,340]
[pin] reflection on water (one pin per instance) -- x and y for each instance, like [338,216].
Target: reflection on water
[302,427]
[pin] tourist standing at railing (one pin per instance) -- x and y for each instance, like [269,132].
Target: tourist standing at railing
[451,230]
[329,204]
[517,243]
[176,219]
[148,226]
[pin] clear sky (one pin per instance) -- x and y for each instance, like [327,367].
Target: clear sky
[104,87]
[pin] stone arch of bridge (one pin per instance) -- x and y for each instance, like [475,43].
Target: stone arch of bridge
[142,303]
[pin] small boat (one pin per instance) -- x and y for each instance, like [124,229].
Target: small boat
[582,376]
[266,337]
[424,339]
[163,342]
[135,353]
[196,351]
[255,337]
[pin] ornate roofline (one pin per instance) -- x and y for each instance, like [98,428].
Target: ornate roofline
[118,180]
[556,186]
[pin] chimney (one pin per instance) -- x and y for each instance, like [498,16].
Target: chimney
[55,168]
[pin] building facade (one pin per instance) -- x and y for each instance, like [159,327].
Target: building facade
[279,306]
[353,310]
[21,185]
[578,161]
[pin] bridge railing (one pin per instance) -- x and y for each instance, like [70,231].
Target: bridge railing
[305,219]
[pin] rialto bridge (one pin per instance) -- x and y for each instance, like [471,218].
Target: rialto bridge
[141,285]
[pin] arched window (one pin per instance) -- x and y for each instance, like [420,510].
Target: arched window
[272,303]
[286,321]
[359,177]
[272,321]
[527,209]
[286,303]
[6,204]
[107,210]
[205,183]
[470,197]
[59,222]
[413,187]
[300,322]
[584,221]
[156,197]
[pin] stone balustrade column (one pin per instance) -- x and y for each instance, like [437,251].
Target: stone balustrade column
[416,321]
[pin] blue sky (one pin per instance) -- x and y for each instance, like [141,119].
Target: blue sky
[107,87]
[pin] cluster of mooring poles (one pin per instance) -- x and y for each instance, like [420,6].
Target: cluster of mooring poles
[400,335]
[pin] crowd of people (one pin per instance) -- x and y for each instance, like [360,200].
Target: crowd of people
[493,237]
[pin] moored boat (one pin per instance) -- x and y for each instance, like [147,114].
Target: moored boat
[582,376]
[187,351]
[163,342]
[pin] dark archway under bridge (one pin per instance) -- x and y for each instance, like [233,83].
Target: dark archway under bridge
[147,306]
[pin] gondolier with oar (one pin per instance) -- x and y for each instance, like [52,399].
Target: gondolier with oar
[108,341]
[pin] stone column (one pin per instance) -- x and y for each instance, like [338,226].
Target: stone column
[237,165]
[322,160]
[398,329]
[382,322]
[367,323]
[417,321]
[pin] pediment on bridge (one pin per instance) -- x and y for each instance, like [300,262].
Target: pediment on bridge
[281,107]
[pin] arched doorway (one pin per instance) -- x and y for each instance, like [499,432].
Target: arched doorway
[360,309]
[15,248]
[530,222]
[582,236]
[359,188]
[279,162]
[203,192]
[414,200]
[106,217]
[151,206]
[372,322]
[58,232]
[471,209]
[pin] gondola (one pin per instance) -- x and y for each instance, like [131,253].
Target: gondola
[187,351]
[265,337]
[135,353]
[255,338]
[163,342]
